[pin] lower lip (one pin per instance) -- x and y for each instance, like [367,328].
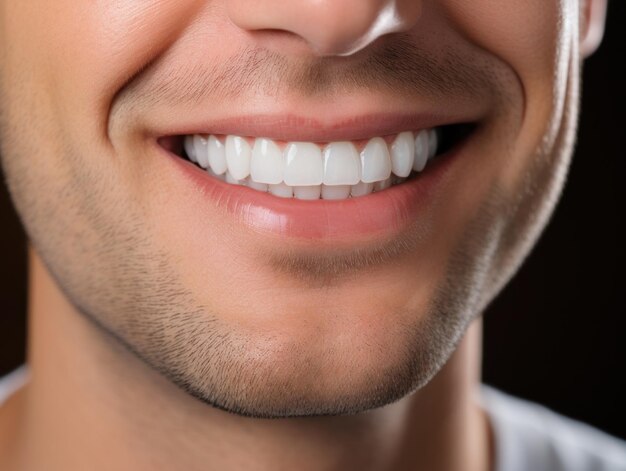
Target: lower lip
[383,214]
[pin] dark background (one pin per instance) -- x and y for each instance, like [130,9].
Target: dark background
[557,334]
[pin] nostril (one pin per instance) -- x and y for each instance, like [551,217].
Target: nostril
[328,27]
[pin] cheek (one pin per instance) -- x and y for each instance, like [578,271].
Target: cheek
[522,34]
[83,52]
[64,65]
[534,39]
[537,40]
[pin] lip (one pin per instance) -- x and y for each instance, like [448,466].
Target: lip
[379,215]
[290,127]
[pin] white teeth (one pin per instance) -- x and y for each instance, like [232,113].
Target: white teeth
[310,192]
[302,170]
[433,142]
[361,189]
[217,155]
[375,161]
[200,144]
[421,151]
[303,164]
[403,154]
[238,157]
[342,165]
[215,175]
[190,149]
[382,185]
[233,180]
[257,186]
[266,164]
[281,189]
[335,192]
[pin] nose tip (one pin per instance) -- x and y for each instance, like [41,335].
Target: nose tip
[329,27]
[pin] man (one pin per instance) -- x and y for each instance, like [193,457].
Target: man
[263,233]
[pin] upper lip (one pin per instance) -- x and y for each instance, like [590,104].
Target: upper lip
[292,127]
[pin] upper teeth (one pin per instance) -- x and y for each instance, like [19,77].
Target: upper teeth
[306,171]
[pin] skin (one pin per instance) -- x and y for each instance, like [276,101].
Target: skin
[138,323]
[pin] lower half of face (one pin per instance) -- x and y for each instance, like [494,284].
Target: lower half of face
[278,233]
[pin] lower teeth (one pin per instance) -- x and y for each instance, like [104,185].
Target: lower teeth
[327,192]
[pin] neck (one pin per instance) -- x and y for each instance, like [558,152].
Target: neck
[91,404]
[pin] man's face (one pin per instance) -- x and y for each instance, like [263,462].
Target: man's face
[256,303]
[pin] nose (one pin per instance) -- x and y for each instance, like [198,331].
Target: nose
[329,27]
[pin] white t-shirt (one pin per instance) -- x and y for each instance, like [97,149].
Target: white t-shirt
[528,437]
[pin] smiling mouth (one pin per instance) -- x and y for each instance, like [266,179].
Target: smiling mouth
[336,170]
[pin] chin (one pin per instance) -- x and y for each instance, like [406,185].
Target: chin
[340,372]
